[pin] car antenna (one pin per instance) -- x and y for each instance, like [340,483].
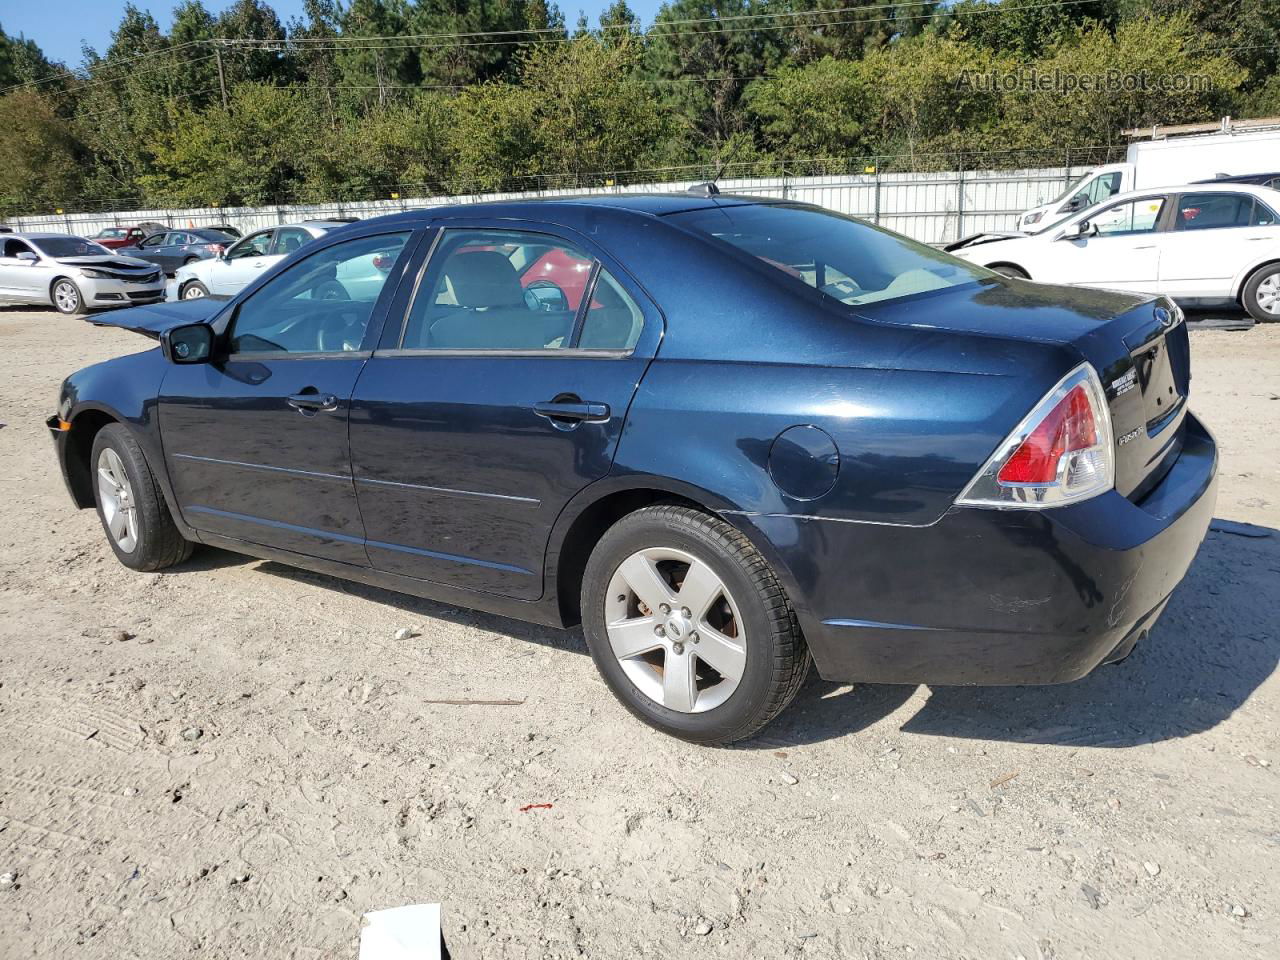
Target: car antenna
[708,188]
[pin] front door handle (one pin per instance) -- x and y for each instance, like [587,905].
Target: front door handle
[575,411]
[1149,246]
[312,402]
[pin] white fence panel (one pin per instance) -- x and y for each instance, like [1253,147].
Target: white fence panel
[931,207]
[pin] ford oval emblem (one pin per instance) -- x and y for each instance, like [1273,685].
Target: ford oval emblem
[1164,316]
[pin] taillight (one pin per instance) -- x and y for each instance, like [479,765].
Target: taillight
[1060,453]
[216,248]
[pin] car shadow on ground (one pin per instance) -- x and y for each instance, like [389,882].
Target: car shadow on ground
[1213,646]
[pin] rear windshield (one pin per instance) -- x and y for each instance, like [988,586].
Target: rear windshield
[58,247]
[846,259]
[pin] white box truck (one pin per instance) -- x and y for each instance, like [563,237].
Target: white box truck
[1170,156]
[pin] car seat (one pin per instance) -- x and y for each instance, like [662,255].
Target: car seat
[491,313]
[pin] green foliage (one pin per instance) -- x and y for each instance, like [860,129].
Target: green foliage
[368,98]
[251,153]
[40,158]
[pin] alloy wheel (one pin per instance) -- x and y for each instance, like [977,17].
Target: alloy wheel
[1268,294]
[193,292]
[675,630]
[115,494]
[66,297]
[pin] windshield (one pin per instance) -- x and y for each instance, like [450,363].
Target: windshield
[1075,185]
[846,259]
[58,247]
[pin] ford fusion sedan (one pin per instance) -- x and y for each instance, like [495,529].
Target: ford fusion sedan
[171,249]
[1200,245]
[242,262]
[727,436]
[73,274]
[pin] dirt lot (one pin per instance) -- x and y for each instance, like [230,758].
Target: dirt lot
[1130,815]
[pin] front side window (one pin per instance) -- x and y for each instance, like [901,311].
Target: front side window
[1216,211]
[846,259]
[254,245]
[1132,216]
[321,304]
[14,247]
[511,290]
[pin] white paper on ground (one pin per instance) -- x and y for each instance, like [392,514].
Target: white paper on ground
[402,933]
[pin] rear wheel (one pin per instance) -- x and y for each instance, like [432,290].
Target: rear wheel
[1009,270]
[132,509]
[1261,294]
[690,627]
[190,260]
[194,290]
[66,297]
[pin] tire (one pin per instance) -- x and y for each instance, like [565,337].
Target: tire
[675,542]
[1261,294]
[1009,270]
[190,260]
[138,524]
[66,297]
[193,290]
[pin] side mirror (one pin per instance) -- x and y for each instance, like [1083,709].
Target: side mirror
[1076,204]
[1079,231]
[26,256]
[192,343]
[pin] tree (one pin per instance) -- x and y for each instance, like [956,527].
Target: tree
[495,30]
[1025,29]
[261,60]
[701,71]
[820,109]
[41,158]
[255,152]
[23,62]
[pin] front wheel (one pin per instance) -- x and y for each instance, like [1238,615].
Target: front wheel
[1261,294]
[194,290]
[132,509]
[66,297]
[1009,270]
[690,627]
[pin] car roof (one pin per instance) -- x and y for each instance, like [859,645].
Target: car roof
[1251,189]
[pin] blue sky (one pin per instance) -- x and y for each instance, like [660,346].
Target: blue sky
[60,26]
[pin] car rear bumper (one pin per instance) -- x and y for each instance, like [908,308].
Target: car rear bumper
[998,596]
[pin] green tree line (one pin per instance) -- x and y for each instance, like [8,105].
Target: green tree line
[370,99]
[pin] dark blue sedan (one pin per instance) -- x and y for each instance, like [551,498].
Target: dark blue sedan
[726,435]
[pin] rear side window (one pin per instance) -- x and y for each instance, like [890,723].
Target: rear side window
[846,259]
[517,291]
[1216,211]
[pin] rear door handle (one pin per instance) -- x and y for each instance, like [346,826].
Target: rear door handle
[312,402]
[1149,246]
[577,411]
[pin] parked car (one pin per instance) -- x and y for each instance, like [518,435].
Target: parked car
[1164,157]
[73,274]
[1200,245]
[243,261]
[767,433]
[1271,180]
[177,248]
[227,229]
[115,237]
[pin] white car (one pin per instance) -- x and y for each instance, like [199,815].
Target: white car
[73,274]
[245,260]
[1199,244]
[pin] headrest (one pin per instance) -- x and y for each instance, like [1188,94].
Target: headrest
[484,278]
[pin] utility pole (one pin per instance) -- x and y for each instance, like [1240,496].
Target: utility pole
[222,80]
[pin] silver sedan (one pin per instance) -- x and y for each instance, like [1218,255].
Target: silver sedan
[73,274]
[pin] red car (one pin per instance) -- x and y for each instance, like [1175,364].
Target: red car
[115,237]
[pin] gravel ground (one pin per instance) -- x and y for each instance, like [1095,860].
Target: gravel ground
[238,759]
